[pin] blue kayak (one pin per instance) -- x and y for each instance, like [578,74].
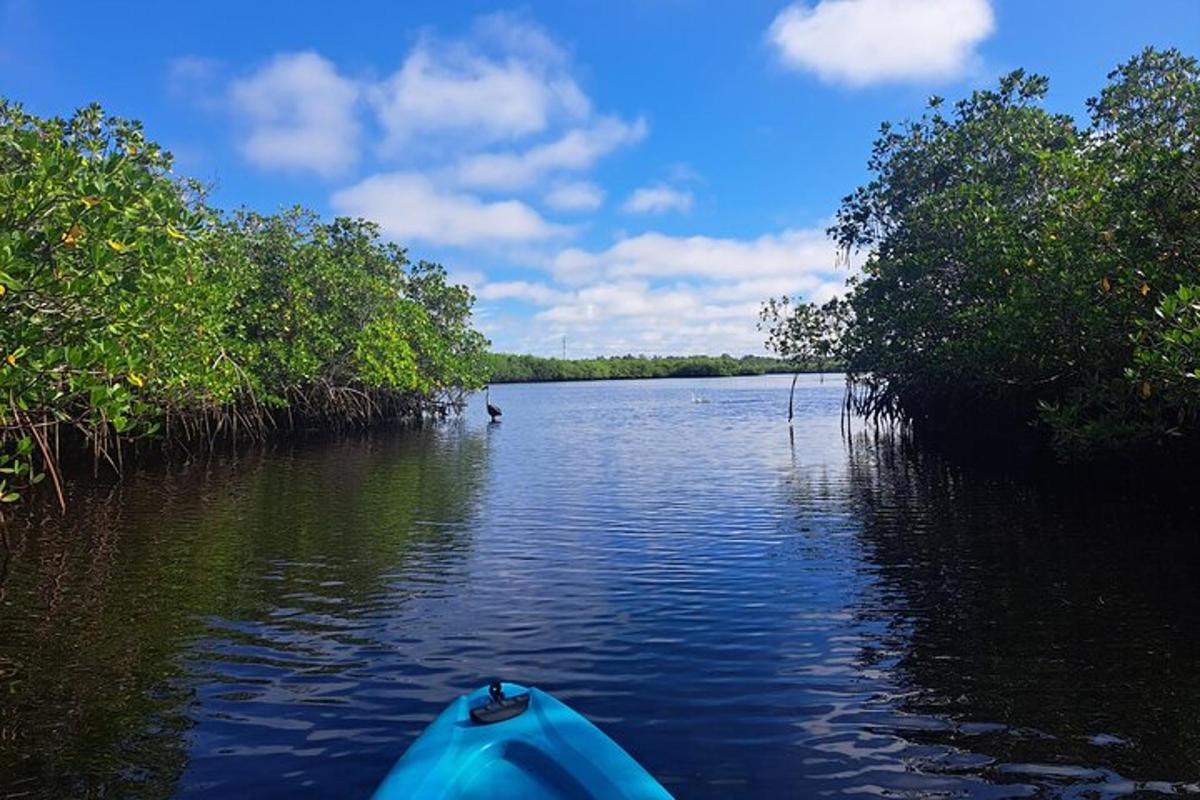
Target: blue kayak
[506,741]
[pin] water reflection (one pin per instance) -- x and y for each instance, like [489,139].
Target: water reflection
[1051,633]
[261,571]
[750,611]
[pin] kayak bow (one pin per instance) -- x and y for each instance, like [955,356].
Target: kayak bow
[506,741]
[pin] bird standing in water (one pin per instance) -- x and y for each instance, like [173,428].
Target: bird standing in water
[493,411]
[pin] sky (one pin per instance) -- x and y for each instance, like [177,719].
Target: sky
[632,176]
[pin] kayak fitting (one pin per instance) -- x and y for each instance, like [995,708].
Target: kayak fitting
[500,708]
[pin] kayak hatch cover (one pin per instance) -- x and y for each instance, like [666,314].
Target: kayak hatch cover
[505,741]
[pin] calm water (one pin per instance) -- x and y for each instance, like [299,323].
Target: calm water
[747,615]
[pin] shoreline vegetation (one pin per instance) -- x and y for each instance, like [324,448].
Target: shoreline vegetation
[515,368]
[136,317]
[1027,278]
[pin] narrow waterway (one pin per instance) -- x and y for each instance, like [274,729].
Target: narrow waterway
[749,614]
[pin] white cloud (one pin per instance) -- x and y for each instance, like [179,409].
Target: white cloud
[658,199]
[507,80]
[608,301]
[666,294]
[528,291]
[496,111]
[576,150]
[637,316]
[300,115]
[409,207]
[575,196]
[500,107]
[791,252]
[860,42]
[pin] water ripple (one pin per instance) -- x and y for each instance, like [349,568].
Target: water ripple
[748,613]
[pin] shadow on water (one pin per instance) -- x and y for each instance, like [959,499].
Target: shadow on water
[265,570]
[1044,639]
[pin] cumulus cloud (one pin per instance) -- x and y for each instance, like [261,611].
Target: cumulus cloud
[505,81]
[498,107]
[659,293]
[658,199]
[684,317]
[410,207]
[459,137]
[575,196]
[576,150]
[527,291]
[299,114]
[656,255]
[860,42]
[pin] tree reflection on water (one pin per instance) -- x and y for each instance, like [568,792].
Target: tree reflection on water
[1056,628]
[107,614]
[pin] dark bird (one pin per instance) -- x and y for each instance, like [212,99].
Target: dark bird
[493,411]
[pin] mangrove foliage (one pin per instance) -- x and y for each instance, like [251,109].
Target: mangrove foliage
[131,310]
[1027,271]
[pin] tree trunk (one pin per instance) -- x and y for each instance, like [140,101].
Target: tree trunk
[792,396]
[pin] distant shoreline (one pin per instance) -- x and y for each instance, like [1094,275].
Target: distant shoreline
[830,371]
[510,368]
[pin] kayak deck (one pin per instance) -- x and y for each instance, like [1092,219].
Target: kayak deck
[544,751]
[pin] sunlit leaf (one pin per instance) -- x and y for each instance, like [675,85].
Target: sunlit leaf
[72,236]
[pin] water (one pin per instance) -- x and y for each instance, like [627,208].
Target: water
[748,615]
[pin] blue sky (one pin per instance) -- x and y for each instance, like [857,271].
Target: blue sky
[634,175]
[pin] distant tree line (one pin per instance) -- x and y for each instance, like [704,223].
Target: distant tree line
[1027,272]
[132,311]
[512,368]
